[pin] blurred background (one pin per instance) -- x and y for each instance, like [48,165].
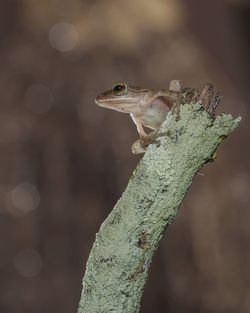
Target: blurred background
[64,161]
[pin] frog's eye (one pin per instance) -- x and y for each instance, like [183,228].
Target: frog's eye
[119,89]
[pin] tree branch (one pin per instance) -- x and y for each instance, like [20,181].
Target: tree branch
[118,264]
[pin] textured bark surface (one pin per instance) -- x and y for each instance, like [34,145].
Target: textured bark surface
[118,264]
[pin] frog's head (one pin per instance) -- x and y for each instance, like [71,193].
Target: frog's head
[122,98]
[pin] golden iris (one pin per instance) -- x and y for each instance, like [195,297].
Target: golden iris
[119,89]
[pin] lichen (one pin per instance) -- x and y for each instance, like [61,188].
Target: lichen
[120,258]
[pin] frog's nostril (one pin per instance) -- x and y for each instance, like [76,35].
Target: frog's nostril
[99,99]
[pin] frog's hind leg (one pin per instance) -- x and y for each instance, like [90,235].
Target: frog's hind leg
[175,85]
[173,96]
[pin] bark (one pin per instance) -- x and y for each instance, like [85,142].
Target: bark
[118,264]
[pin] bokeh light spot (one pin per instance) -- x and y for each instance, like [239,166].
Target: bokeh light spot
[24,198]
[63,36]
[28,263]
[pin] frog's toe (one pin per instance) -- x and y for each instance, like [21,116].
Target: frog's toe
[138,148]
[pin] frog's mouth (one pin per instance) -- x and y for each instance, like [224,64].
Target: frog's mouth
[125,105]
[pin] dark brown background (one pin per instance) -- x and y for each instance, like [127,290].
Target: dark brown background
[64,161]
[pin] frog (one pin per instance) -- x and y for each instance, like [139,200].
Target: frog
[147,107]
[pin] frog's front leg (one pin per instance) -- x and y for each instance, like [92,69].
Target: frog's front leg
[170,98]
[139,127]
[140,145]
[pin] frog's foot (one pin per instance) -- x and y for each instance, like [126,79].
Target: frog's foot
[137,147]
[141,144]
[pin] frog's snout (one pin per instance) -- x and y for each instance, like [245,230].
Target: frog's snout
[98,99]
